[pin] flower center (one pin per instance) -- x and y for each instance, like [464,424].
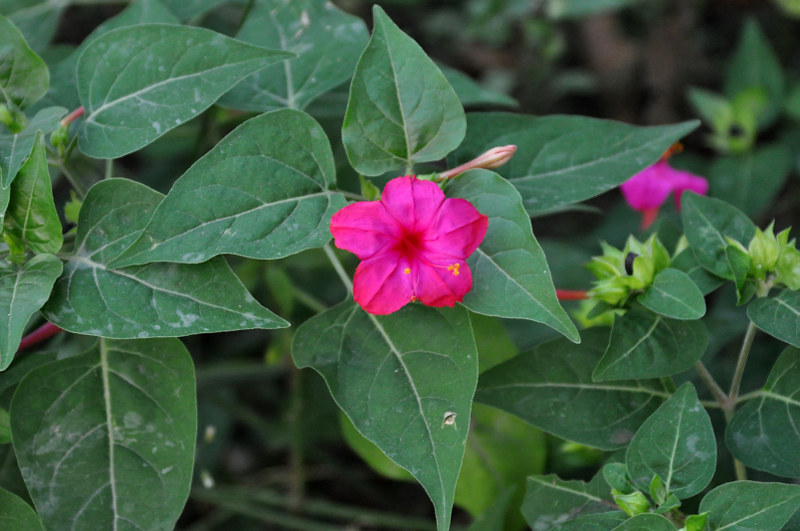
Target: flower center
[410,245]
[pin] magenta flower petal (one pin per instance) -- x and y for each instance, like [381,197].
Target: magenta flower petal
[413,202]
[365,228]
[686,181]
[440,280]
[649,188]
[382,286]
[459,229]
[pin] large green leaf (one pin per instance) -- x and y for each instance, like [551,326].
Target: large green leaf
[22,292]
[550,500]
[707,223]
[156,300]
[471,92]
[778,316]
[594,522]
[139,82]
[15,149]
[326,40]
[401,109]
[676,443]
[673,294]
[262,192]
[758,434]
[188,9]
[510,276]
[24,77]
[646,345]
[31,216]
[16,515]
[751,181]
[750,505]
[410,394]
[705,281]
[566,159]
[551,387]
[105,440]
[36,19]
[646,522]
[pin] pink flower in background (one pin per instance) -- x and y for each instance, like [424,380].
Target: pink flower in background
[647,190]
[412,244]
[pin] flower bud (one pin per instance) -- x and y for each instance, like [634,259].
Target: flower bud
[764,252]
[633,504]
[493,158]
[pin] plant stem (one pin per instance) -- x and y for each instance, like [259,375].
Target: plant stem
[337,265]
[109,169]
[45,331]
[712,385]
[296,495]
[733,395]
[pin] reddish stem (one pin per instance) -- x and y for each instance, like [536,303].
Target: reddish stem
[71,117]
[571,295]
[45,331]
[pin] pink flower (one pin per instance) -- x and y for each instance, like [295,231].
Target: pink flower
[647,190]
[412,245]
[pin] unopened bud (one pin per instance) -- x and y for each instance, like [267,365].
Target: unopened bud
[493,158]
[15,121]
[633,504]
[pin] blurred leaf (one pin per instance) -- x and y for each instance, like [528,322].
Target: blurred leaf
[778,316]
[31,215]
[495,516]
[24,78]
[594,522]
[646,345]
[138,82]
[509,270]
[262,192]
[155,300]
[646,522]
[106,439]
[16,515]
[5,434]
[36,19]
[751,181]
[494,343]
[401,110]
[188,9]
[551,387]
[755,65]
[16,149]
[758,435]
[673,294]
[327,43]
[708,223]
[748,505]
[410,394]
[470,92]
[560,9]
[705,281]
[23,291]
[550,500]
[566,158]
[677,443]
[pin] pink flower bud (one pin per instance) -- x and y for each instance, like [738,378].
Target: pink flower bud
[493,158]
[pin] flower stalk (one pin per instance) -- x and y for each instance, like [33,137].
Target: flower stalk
[493,158]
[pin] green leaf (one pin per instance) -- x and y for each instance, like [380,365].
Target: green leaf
[677,443]
[16,515]
[550,500]
[748,505]
[139,82]
[551,387]
[561,9]
[471,92]
[401,109]
[495,516]
[24,77]
[755,65]
[758,435]
[510,275]
[751,181]
[31,215]
[410,394]
[189,9]
[705,281]
[156,300]
[707,223]
[593,522]
[5,428]
[36,19]
[262,192]
[22,292]
[327,43]
[16,149]
[646,522]
[646,345]
[106,439]
[566,159]
[778,316]
[673,294]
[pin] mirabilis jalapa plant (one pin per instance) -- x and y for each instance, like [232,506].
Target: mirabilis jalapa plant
[104,432]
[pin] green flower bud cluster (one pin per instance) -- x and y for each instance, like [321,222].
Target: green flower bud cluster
[12,118]
[622,273]
[775,256]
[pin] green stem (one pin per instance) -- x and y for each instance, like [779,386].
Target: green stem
[337,265]
[309,300]
[109,173]
[744,352]
[711,383]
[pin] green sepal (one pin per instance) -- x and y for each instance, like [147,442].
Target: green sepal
[633,503]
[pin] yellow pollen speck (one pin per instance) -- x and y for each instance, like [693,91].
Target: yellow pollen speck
[414,298]
[453,268]
[407,270]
